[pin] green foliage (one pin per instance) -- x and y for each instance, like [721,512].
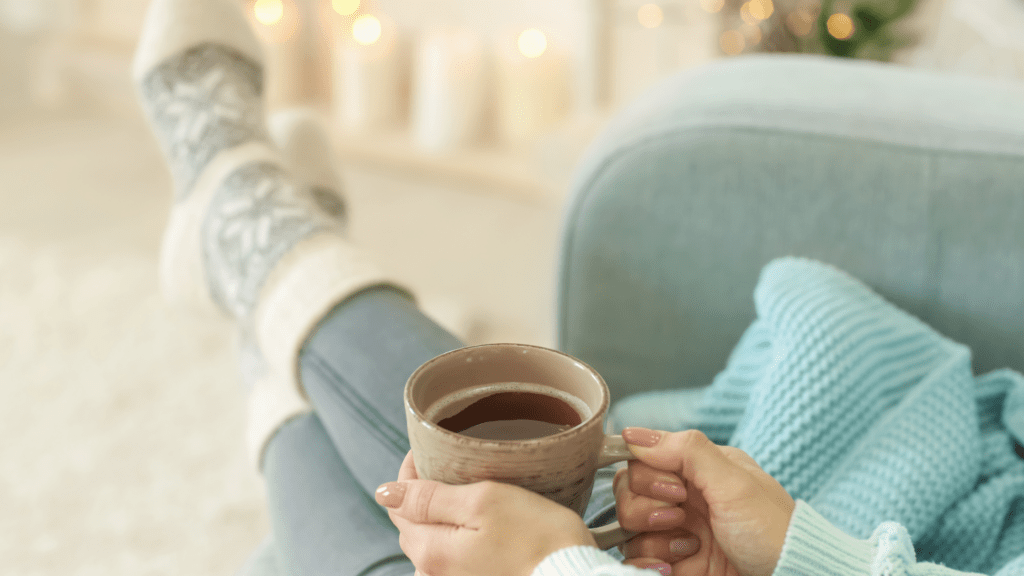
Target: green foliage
[874,35]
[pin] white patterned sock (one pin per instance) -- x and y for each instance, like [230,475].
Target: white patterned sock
[246,235]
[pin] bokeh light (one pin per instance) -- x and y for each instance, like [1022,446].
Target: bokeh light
[746,15]
[366,29]
[840,25]
[761,9]
[532,43]
[732,42]
[268,12]
[712,6]
[345,7]
[650,15]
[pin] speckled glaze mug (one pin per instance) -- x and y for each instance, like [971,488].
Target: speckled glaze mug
[559,466]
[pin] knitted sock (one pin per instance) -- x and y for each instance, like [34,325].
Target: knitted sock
[246,235]
[301,134]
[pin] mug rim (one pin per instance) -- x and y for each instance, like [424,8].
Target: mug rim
[577,429]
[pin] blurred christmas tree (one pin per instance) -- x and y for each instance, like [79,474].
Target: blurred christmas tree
[847,28]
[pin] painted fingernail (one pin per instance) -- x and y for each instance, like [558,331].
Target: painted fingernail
[671,490]
[662,568]
[683,547]
[391,494]
[641,437]
[665,518]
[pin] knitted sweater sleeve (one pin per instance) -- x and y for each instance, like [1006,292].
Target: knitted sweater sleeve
[813,547]
[585,561]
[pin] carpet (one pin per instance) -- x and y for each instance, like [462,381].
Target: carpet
[122,423]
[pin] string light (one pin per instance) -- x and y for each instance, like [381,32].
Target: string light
[747,15]
[732,42]
[712,6]
[268,12]
[366,29]
[650,15]
[532,43]
[761,9]
[840,25]
[345,7]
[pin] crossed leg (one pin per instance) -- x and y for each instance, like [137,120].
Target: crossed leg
[257,232]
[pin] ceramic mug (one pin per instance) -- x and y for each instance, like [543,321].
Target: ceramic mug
[560,466]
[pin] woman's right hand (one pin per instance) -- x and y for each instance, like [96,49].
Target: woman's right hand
[737,511]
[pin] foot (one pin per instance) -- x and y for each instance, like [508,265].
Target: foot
[249,233]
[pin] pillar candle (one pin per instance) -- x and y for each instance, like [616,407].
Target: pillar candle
[448,89]
[534,87]
[278,25]
[370,88]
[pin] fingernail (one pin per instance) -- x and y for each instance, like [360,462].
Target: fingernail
[390,495]
[683,547]
[665,518]
[671,490]
[641,437]
[662,568]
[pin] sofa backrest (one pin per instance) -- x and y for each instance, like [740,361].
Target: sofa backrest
[912,181]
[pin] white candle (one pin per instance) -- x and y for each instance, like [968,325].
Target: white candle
[277,23]
[534,87]
[369,74]
[448,89]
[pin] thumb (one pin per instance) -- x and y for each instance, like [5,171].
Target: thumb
[425,502]
[690,454]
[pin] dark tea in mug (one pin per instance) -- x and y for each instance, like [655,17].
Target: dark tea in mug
[508,411]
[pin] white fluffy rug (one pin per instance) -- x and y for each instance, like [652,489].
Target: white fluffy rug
[121,420]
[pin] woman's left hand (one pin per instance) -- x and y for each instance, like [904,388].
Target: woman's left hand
[482,528]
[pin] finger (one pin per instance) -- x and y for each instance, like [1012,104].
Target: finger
[427,502]
[655,564]
[668,546]
[689,454]
[653,483]
[642,513]
[408,469]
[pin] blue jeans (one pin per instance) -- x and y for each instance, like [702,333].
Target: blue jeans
[321,469]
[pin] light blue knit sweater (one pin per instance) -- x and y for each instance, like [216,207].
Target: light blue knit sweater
[900,458]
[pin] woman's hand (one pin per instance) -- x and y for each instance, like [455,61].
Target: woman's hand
[683,486]
[482,528]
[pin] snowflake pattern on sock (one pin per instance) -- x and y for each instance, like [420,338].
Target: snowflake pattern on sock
[202,101]
[255,217]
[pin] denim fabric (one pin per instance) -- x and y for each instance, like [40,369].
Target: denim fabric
[321,469]
[323,522]
[354,370]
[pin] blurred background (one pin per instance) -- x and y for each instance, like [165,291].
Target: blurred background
[458,124]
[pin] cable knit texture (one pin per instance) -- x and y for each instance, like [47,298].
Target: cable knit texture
[814,546]
[868,415]
[585,560]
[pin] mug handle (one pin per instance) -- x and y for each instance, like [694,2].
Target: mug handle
[613,450]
